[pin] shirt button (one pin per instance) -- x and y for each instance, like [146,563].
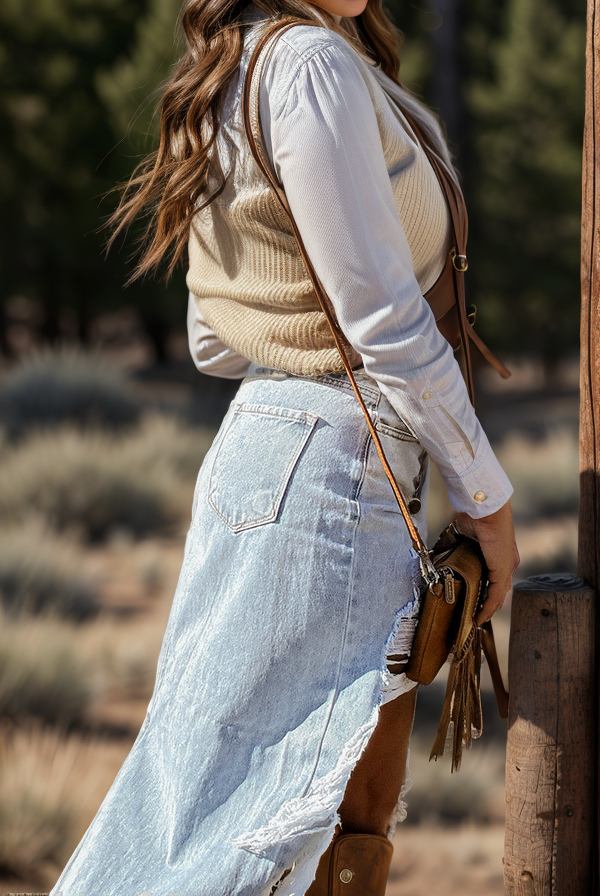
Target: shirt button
[479,497]
[428,394]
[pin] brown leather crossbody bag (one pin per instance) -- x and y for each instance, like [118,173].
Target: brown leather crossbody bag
[454,570]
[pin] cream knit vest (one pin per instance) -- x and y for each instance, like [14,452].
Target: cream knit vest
[245,268]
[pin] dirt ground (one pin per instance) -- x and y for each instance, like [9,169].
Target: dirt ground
[436,861]
[428,861]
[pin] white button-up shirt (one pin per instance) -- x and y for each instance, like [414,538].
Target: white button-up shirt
[322,137]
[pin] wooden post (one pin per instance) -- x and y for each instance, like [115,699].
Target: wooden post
[550,760]
[553,763]
[588,561]
[589,409]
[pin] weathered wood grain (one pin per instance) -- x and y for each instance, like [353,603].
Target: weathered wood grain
[588,560]
[550,761]
[589,413]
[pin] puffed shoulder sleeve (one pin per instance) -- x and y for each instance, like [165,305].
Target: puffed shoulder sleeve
[322,136]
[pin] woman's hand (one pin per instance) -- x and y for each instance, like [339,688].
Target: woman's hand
[496,536]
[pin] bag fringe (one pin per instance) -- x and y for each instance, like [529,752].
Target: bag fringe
[462,703]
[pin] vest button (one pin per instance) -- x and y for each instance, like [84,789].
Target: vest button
[346,876]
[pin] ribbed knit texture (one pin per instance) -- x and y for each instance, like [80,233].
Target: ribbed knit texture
[245,267]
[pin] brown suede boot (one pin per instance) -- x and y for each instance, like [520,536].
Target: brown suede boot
[353,865]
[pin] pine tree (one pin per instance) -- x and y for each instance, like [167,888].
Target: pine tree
[73,73]
[526,97]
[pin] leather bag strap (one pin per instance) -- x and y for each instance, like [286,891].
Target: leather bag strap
[458,213]
[460,227]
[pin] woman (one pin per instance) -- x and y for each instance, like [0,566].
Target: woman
[280,718]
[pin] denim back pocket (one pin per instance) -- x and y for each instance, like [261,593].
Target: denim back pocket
[390,423]
[254,462]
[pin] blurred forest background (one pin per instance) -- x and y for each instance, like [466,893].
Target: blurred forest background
[104,420]
[76,79]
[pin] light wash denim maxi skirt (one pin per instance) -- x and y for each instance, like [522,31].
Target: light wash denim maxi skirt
[298,578]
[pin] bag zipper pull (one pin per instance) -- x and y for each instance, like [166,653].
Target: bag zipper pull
[449,592]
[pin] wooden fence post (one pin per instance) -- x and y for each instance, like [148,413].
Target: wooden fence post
[550,759]
[588,564]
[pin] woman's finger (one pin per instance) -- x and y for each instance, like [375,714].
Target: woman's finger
[497,593]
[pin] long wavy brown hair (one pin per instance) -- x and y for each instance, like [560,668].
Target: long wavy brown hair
[171,184]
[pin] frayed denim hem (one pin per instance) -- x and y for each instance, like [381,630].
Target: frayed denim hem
[317,813]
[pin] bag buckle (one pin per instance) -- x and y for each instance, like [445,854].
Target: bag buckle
[459,261]
[428,570]
[448,590]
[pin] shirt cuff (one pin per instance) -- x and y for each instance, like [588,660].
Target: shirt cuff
[475,481]
[483,488]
